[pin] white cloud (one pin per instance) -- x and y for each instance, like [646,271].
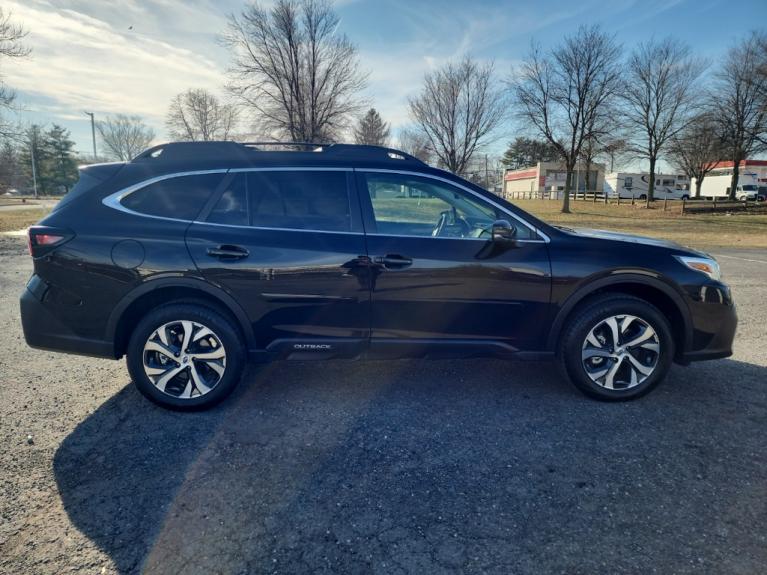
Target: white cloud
[82,62]
[133,56]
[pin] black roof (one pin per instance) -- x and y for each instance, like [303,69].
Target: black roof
[236,154]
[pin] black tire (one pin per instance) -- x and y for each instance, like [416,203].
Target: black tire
[223,330]
[591,314]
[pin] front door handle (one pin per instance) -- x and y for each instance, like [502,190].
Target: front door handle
[228,252]
[393,261]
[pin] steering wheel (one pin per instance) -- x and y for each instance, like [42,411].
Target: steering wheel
[444,218]
[441,223]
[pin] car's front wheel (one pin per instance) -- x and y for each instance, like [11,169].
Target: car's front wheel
[185,356]
[617,347]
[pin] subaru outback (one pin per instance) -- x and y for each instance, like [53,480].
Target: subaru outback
[195,257]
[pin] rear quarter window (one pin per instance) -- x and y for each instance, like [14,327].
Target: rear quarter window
[180,198]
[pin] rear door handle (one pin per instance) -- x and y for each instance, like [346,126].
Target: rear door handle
[392,261]
[228,252]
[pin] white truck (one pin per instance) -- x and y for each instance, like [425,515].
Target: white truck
[627,185]
[719,187]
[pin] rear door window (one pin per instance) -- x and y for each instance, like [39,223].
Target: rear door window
[296,200]
[180,197]
[302,200]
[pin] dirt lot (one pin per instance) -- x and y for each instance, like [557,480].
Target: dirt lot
[384,467]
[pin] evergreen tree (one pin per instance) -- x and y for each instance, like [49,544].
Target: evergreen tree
[524,152]
[61,169]
[371,130]
[51,153]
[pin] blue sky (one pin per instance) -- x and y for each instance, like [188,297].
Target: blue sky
[86,57]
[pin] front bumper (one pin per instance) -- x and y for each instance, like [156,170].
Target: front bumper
[44,331]
[714,322]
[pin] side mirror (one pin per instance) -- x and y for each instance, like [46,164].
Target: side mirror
[503,231]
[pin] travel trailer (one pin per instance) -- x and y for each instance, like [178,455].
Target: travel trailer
[635,185]
[719,187]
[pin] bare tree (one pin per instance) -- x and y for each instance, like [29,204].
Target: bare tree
[697,149]
[371,130]
[457,110]
[124,136]
[292,68]
[415,143]
[604,148]
[659,96]
[589,152]
[10,165]
[613,151]
[197,115]
[566,95]
[11,46]
[739,102]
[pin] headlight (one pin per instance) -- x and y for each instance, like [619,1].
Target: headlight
[707,266]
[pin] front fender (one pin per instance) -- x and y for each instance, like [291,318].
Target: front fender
[618,279]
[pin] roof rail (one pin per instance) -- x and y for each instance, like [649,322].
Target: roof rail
[365,152]
[177,151]
[248,151]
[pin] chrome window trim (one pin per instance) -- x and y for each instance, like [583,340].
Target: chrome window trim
[114,200]
[276,229]
[485,240]
[535,230]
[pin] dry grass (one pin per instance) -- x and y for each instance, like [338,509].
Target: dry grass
[736,230]
[12,220]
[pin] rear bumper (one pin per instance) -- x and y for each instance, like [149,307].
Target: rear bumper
[43,330]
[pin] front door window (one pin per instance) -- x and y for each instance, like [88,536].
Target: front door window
[416,206]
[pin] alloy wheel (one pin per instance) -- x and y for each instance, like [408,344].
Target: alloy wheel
[620,352]
[184,359]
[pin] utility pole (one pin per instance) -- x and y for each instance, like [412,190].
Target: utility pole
[32,154]
[487,176]
[93,132]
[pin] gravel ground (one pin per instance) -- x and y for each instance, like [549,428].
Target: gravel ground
[384,467]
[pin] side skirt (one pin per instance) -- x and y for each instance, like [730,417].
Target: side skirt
[392,348]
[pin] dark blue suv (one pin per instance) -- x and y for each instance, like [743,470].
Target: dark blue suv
[194,257]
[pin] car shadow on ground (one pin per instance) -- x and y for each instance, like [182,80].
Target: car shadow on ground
[421,466]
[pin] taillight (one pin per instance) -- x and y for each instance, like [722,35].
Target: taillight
[42,239]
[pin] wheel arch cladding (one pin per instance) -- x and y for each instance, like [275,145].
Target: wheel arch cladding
[659,294]
[134,306]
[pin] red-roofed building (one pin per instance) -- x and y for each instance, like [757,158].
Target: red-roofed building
[550,177]
[756,167]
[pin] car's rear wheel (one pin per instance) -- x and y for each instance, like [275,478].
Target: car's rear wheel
[185,356]
[617,347]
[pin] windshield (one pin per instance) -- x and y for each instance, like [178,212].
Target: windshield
[749,188]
